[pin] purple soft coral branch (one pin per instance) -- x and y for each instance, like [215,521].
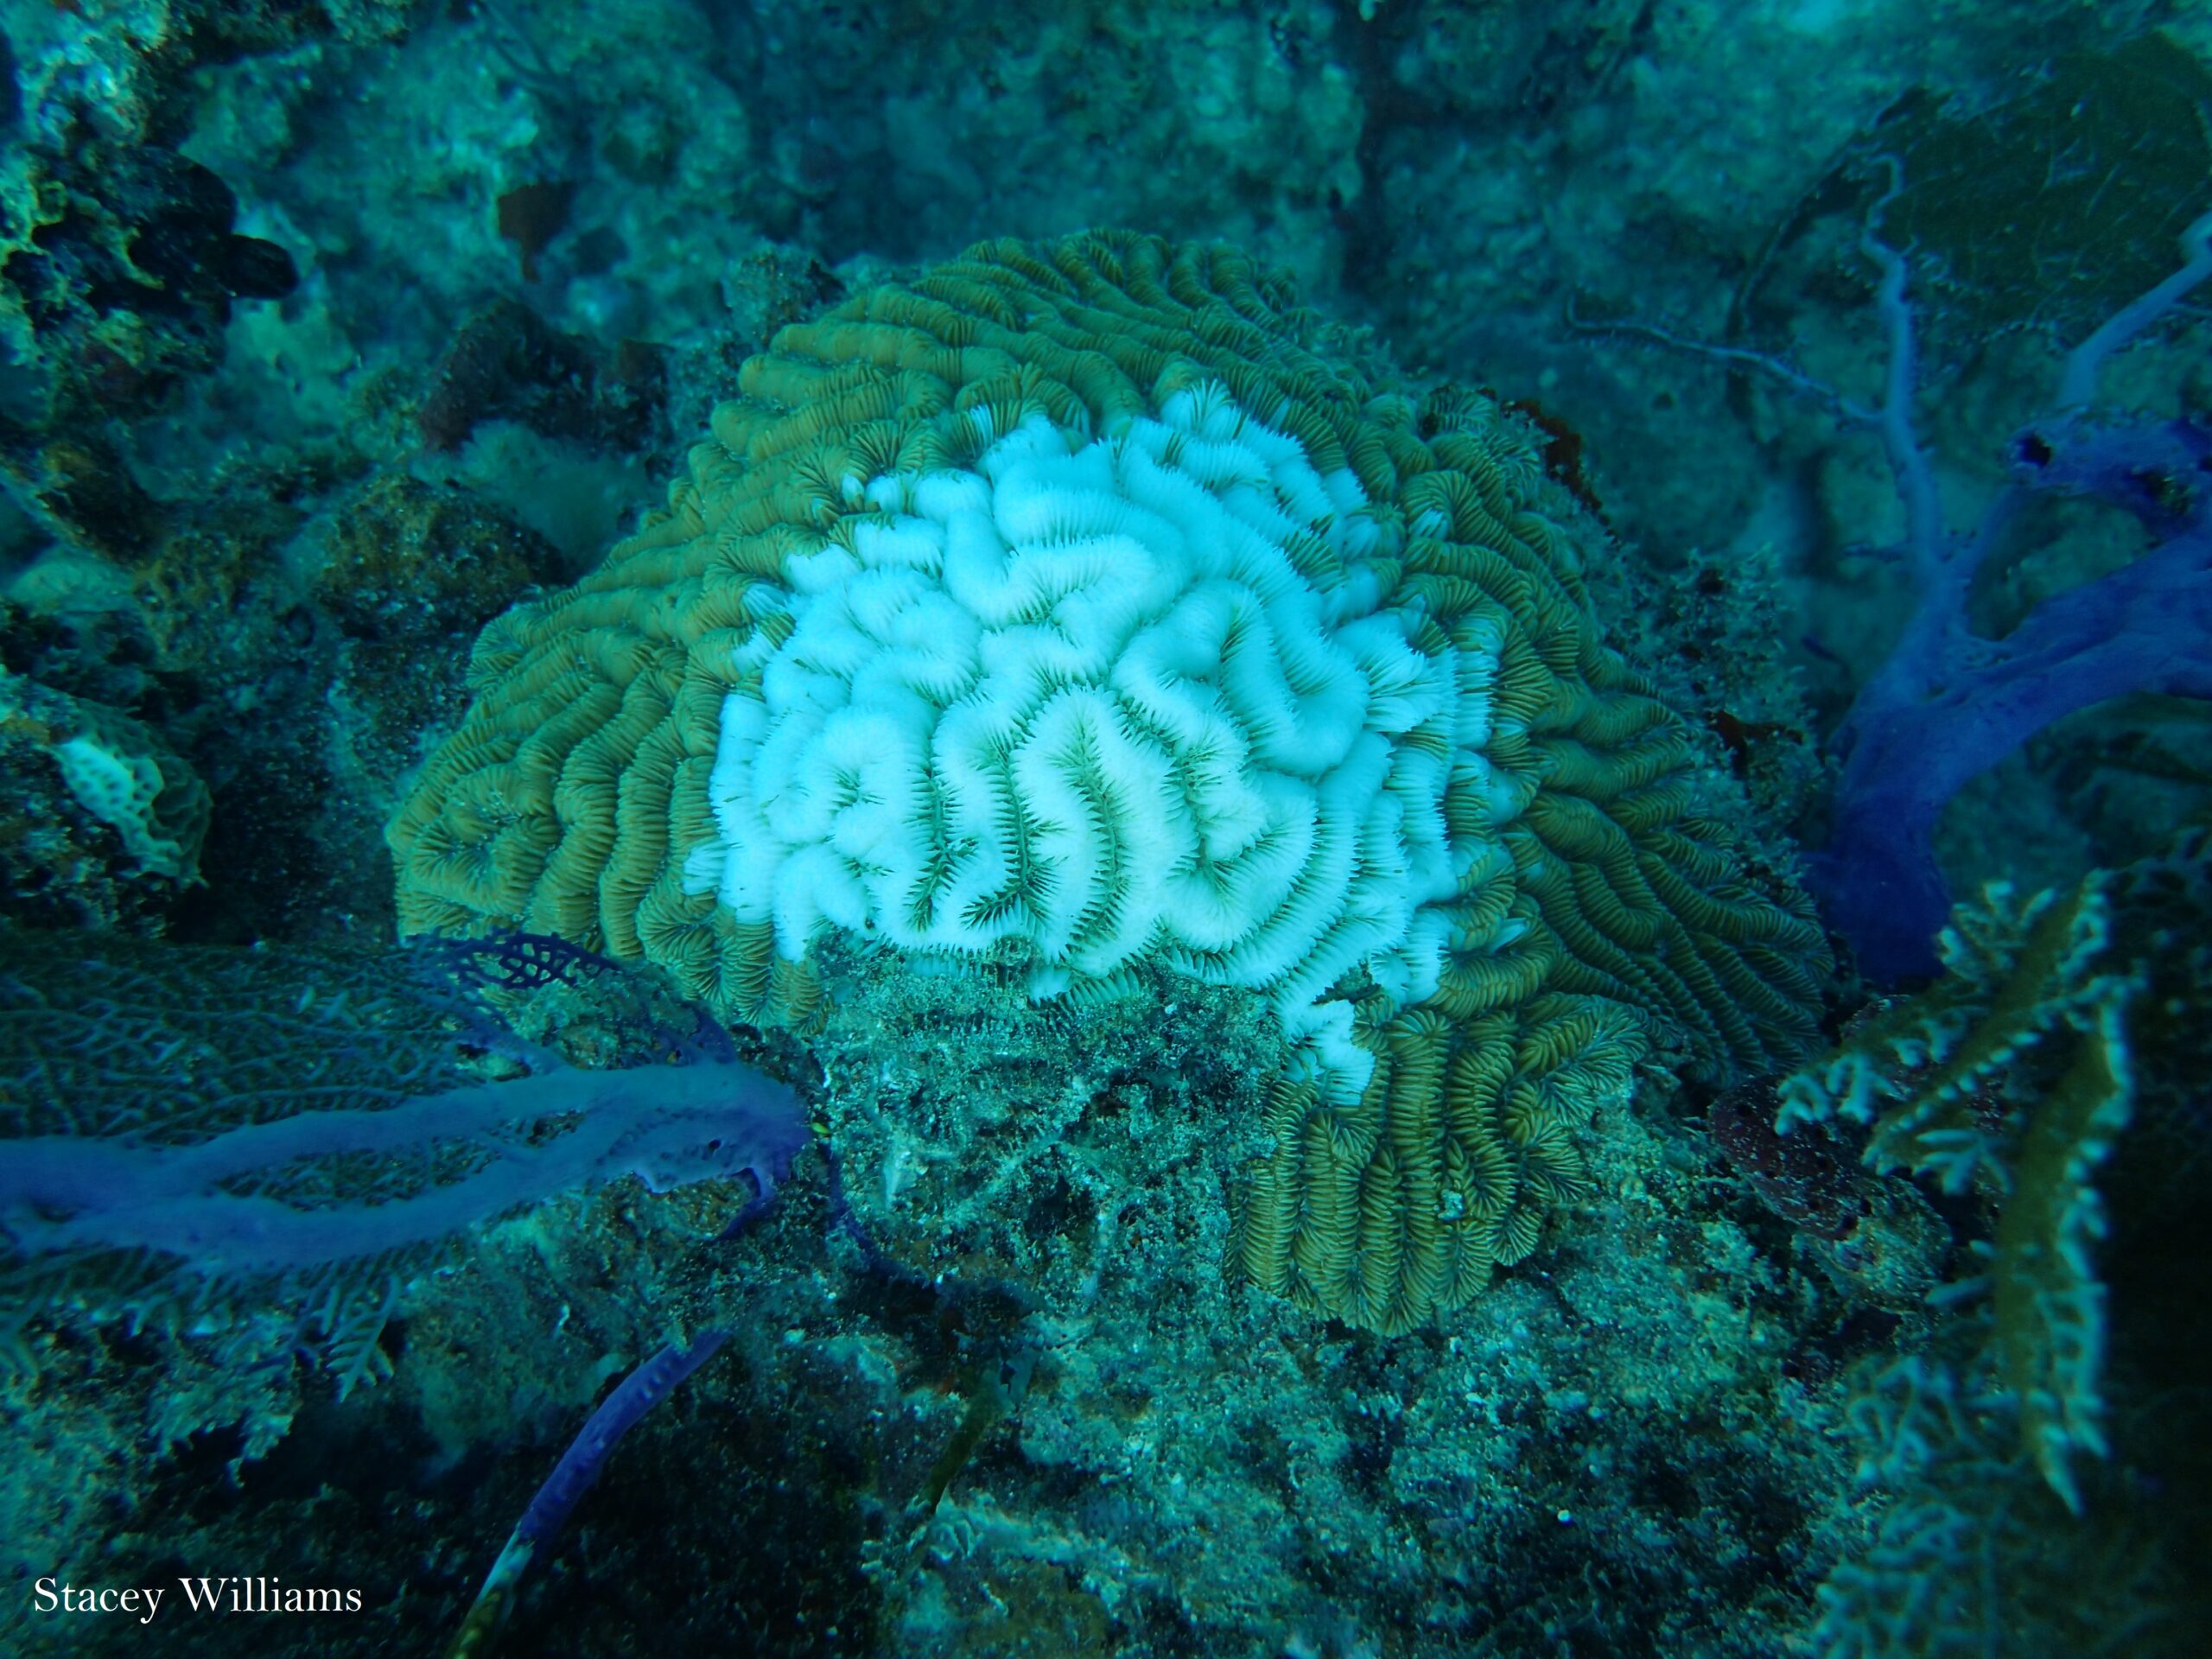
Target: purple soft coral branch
[2077,383]
[1947,703]
[1909,463]
[2146,627]
[582,1463]
[580,1467]
[669,1125]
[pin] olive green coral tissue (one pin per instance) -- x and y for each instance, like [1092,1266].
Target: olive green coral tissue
[1093,602]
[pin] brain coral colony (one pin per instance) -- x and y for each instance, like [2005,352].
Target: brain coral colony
[1076,607]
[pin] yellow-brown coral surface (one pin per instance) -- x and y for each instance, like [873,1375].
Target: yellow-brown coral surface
[1584,916]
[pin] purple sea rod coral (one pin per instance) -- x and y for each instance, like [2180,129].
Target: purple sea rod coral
[189,1129]
[1949,703]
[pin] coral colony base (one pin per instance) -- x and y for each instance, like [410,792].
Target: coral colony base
[1088,606]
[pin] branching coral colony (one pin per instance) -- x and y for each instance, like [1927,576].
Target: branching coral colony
[1948,702]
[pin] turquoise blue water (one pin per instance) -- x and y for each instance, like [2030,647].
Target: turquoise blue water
[1851,358]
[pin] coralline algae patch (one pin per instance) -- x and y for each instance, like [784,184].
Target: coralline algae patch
[1086,604]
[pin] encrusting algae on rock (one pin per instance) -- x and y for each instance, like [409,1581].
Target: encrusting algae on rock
[1087,603]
